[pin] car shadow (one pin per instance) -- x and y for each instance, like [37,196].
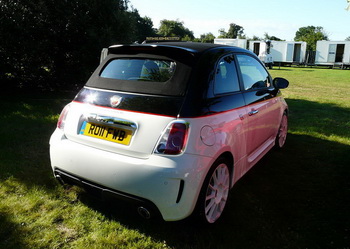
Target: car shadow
[278,68]
[9,232]
[293,198]
[322,119]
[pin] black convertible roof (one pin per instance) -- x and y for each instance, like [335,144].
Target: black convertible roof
[190,57]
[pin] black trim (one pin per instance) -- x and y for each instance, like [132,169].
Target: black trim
[154,104]
[253,97]
[224,103]
[103,192]
[181,189]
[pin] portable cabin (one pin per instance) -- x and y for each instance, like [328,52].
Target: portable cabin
[263,50]
[331,53]
[242,43]
[288,52]
[282,52]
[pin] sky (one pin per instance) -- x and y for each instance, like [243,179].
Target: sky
[280,18]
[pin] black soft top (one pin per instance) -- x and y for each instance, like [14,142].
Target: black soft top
[187,55]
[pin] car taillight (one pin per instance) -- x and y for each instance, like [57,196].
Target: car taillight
[62,119]
[173,140]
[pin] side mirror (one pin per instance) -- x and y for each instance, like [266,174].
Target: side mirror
[280,83]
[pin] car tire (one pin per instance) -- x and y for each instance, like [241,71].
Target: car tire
[214,193]
[282,132]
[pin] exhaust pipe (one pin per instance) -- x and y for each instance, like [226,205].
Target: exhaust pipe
[59,179]
[144,213]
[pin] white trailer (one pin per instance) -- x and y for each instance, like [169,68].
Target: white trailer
[333,53]
[263,50]
[289,52]
[242,43]
[282,52]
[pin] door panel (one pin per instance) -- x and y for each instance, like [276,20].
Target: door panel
[339,53]
[260,106]
[290,52]
[297,53]
[331,52]
[259,129]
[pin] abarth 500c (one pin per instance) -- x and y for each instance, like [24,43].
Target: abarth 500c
[170,126]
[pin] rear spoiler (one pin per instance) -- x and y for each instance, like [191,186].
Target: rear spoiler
[105,52]
[181,54]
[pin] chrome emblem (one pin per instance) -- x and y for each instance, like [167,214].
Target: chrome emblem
[116,100]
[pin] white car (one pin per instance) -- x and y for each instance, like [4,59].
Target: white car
[170,126]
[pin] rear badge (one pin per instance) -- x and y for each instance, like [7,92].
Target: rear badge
[116,100]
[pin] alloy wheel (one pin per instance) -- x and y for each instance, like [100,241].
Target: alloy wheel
[217,193]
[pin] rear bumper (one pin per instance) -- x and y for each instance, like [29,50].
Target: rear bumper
[103,192]
[168,184]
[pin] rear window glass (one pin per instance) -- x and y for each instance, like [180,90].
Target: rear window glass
[139,70]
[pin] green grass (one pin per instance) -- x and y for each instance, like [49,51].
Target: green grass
[298,197]
[320,99]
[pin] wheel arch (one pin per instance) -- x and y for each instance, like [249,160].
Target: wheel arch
[227,155]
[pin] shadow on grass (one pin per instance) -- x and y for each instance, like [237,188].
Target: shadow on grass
[308,70]
[9,233]
[294,198]
[277,68]
[324,119]
[26,126]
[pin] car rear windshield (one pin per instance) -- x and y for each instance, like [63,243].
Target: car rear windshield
[142,74]
[139,70]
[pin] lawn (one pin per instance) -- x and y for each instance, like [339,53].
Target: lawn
[298,197]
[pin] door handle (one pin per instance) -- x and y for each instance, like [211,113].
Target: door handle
[253,112]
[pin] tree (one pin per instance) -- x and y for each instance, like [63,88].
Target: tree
[170,28]
[234,31]
[348,38]
[207,38]
[56,44]
[223,33]
[256,38]
[311,35]
[271,38]
[143,27]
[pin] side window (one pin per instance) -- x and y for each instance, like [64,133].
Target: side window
[254,74]
[226,79]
